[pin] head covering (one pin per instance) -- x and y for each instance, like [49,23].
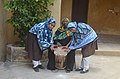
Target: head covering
[62,32]
[65,19]
[62,28]
[49,21]
[72,25]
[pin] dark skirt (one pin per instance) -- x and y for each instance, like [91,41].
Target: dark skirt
[70,58]
[89,49]
[33,48]
[69,62]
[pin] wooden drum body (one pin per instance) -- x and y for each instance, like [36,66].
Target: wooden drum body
[60,57]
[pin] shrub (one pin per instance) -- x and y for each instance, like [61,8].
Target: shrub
[25,13]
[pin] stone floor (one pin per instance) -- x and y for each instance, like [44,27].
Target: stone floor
[101,67]
[105,64]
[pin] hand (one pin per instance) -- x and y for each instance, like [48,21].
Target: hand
[64,47]
[59,44]
[53,47]
[67,50]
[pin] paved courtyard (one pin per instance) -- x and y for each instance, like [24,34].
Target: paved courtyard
[105,64]
[101,67]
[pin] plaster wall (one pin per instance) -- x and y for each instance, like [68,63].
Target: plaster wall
[2,32]
[104,16]
[66,9]
[56,13]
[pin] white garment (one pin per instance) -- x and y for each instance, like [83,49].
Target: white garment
[39,62]
[36,63]
[85,63]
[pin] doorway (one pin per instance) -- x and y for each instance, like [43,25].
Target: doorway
[80,10]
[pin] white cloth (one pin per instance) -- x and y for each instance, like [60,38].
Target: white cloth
[39,62]
[85,63]
[59,51]
[36,63]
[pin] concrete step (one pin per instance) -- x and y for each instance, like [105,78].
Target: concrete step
[106,49]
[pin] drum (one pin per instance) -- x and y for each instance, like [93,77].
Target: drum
[60,58]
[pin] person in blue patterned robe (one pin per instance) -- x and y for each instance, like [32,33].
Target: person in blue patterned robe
[39,39]
[84,37]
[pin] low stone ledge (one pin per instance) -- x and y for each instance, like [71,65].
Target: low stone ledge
[18,54]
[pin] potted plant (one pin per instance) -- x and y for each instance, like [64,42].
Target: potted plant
[25,13]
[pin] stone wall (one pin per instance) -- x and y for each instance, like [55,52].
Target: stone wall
[18,54]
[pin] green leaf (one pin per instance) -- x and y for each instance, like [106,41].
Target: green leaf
[25,13]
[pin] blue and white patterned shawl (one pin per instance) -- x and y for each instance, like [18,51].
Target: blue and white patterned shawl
[44,34]
[84,35]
